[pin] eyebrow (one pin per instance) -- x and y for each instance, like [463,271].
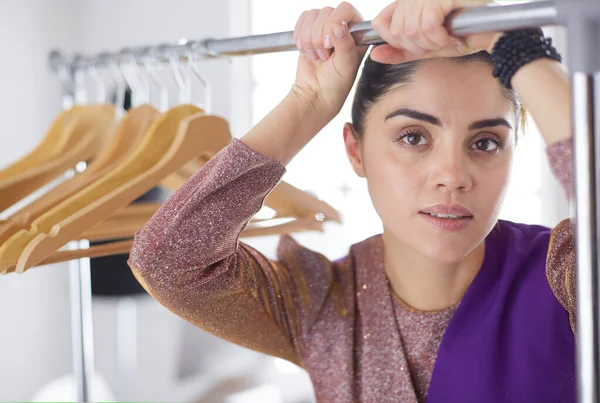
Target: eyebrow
[480,124]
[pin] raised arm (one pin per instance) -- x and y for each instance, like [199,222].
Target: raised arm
[189,257]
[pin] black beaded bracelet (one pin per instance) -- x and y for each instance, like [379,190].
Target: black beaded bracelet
[514,49]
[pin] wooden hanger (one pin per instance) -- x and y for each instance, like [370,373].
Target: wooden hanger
[122,224]
[125,222]
[123,247]
[83,136]
[47,149]
[198,136]
[127,136]
[42,245]
[172,141]
[285,199]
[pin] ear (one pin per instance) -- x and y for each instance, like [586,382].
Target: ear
[353,149]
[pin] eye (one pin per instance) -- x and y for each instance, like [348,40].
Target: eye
[412,139]
[487,145]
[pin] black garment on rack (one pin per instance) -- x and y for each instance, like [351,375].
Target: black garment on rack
[111,276]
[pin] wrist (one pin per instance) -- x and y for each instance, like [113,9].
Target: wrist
[310,107]
[515,49]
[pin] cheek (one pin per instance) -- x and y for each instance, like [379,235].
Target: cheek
[398,182]
[491,187]
[393,179]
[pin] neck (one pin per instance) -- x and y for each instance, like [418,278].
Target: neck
[423,283]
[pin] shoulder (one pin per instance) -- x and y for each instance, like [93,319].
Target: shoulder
[517,253]
[521,238]
[533,263]
[321,280]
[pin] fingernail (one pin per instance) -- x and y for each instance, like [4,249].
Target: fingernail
[299,44]
[340,30]
[327,42]
[322,54]
[312,55]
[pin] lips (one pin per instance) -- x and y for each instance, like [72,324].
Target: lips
[447,217]
[455,210]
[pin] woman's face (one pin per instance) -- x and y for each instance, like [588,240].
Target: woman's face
[441,145]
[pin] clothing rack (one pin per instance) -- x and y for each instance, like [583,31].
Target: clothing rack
[580,17]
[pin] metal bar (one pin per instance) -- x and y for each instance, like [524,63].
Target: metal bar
[582,20]
[585,234]
[461,22]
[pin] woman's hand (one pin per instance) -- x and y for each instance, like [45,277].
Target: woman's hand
[414,29]
[329,57]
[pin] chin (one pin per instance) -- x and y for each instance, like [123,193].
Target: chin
[446,250]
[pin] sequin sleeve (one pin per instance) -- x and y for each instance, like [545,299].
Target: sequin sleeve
[560,262]
[189,257]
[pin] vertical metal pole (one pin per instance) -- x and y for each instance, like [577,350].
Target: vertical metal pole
[80,282]
[586,231]
[581,19]
[126,345]
[81,323]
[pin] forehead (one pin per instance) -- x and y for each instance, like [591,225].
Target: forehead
[451,91]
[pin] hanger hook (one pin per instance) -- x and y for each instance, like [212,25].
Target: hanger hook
[120,85]
[194,50]
[129,68]
[149,62]
[63,69]
[79,67]
[98,81]
[182,79]
[125,69]
[137,71]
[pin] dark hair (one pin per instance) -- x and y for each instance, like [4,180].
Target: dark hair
[377,79]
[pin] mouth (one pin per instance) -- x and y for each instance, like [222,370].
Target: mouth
[452,216]
[447,218]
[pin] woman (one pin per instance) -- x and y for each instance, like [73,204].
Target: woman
[449,304]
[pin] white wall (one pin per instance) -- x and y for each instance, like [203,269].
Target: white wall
[34,310]
[34,307]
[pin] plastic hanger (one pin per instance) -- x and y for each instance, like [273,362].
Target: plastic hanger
[82,136]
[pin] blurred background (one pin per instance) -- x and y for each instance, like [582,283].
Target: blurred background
[142,351]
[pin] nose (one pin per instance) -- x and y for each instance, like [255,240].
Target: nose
[451,173]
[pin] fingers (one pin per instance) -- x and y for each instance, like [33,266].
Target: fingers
[478,42]
[304,35]
[382,24]
[406,28]
[297,30]
[318,32]
[417,27]
[337,29]
[397,25]
[318,35]
[433,31]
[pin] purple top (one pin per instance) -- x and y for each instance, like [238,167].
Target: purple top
[340,321]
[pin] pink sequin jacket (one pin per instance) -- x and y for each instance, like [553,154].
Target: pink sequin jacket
[302,306]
